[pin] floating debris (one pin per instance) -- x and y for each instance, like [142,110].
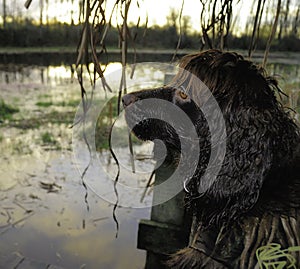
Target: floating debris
[34,197]
[100,219]
[50,187]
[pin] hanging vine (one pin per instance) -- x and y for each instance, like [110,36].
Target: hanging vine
[215,17]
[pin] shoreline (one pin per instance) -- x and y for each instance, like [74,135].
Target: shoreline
[11,54]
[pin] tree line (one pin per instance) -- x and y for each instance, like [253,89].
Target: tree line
[28,34]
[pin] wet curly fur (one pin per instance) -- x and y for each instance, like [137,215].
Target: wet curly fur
[255,198]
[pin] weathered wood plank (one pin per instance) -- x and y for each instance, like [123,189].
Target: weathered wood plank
[160,238]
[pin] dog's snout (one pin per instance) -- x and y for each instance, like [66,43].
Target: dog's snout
[128,99]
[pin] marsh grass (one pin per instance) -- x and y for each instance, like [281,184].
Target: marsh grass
[53,117]
[70,103]
[49,141]
[47,138]
[44,104]
[7,111]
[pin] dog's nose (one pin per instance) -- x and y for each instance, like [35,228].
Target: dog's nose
[128,99]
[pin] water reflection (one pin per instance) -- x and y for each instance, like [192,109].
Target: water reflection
[39,75]
[53,227]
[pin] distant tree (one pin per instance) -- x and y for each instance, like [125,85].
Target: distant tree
[41,12]
[172,18]
[47,12]
[186,28]
[72,12]
[296,22]
[4,13]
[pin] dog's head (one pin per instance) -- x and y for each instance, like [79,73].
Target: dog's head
[260,136]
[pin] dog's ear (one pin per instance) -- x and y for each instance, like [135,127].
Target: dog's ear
[261,138]
[249,158]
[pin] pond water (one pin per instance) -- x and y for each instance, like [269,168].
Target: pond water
[44,217]
[43,214]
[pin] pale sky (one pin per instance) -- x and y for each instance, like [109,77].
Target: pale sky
[157,10]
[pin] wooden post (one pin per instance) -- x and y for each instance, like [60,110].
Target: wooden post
[169,227]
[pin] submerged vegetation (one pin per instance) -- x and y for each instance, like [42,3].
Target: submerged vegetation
[72,103]
[53,117]
[6,110]
[47,138]
[48,116]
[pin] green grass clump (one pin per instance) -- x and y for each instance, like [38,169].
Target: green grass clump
[71,103]
[47,138]
[6,111]
[53,117]
[44,104]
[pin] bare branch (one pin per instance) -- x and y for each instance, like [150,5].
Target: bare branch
[27,3]
[274,27]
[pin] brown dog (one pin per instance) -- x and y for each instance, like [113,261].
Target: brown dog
[254,199]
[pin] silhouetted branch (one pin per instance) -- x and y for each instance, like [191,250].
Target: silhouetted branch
[273,31]
[27,3]
[259,10]
[220,19]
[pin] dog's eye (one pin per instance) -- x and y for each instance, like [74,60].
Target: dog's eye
[182,94]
